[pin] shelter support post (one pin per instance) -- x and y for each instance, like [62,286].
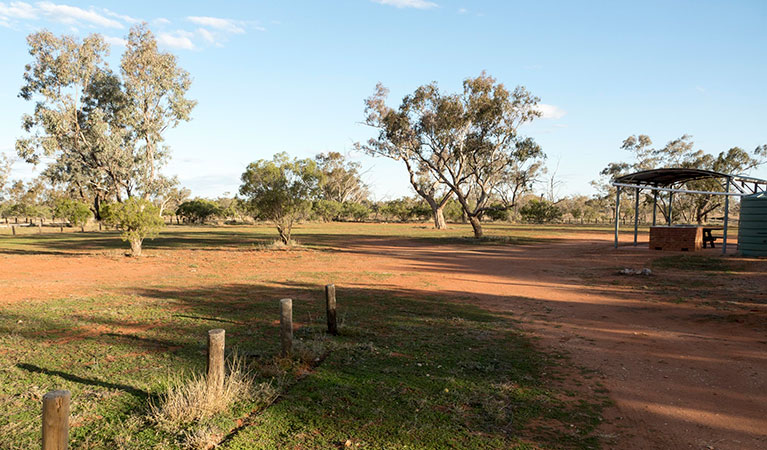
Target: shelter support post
[726,217]
[670,210]
[636,215]
[654,206]
[617,213]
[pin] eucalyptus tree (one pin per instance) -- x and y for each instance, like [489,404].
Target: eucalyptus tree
[62,80]
[424,182]
[101,132]
[342,179]
[156,88]
[465,141]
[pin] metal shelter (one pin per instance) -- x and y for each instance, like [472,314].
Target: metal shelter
[672,180]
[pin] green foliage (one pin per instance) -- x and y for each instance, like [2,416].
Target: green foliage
[327,210]
[76,212]
[281,190]
[138,218]
[198,210]
[355,211]
[497,212]
[540,211]
[400,209]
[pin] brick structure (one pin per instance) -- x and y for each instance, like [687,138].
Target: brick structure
[676,238]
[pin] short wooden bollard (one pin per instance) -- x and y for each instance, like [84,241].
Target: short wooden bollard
[13,229]
[216,343]
[330,305]
[286,326]
[56,420]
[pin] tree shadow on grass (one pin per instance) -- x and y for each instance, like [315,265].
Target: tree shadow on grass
[87,381]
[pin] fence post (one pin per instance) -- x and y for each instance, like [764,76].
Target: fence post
[13,229]
[330,305]
[286,326]
[216,343]
[56,420]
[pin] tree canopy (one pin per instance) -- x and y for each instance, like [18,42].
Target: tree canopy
[138,219]
[281,190]
[103,131]
[468,142]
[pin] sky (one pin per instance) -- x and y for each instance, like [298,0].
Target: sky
[281,75]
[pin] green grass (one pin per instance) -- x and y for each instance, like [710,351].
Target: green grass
[408,370]
[317,235]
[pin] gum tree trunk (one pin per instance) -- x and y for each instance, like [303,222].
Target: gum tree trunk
[284,234]
[439,218]
[135,247]
[476,225]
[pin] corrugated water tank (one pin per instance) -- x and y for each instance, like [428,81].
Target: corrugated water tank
[752,236]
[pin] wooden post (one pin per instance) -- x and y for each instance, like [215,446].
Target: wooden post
[330,305]
[636,215]
[13,229]
[617,213]
[216,343]
[286,326]
[56,420]
[61,228]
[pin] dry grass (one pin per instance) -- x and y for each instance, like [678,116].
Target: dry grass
[188,403]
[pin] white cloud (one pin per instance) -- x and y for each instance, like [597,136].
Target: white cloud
[417,4]
[206,35]
[227,25]
[123,17]
[17,10]
[72,15]
[551,111]
[463,11]
[210,30]
[180,39]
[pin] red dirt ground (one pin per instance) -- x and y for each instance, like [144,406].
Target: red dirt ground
[683,354]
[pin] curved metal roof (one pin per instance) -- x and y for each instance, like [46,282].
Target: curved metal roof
[668,176]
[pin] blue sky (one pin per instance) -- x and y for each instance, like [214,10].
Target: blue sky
[291,76]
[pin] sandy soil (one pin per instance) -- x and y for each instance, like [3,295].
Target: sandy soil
[684,370]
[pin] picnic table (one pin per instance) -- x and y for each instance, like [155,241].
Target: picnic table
[708,237]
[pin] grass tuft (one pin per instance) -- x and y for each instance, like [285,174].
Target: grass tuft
[184,409]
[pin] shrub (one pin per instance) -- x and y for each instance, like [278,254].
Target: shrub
[540,211]
[138,218]
[198,210]
[355,211]
[76,212]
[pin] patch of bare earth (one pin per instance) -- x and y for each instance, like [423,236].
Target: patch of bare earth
[683,354]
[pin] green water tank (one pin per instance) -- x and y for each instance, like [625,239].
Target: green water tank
[752,236]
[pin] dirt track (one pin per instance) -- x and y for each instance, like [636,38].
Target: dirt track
[683,354]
